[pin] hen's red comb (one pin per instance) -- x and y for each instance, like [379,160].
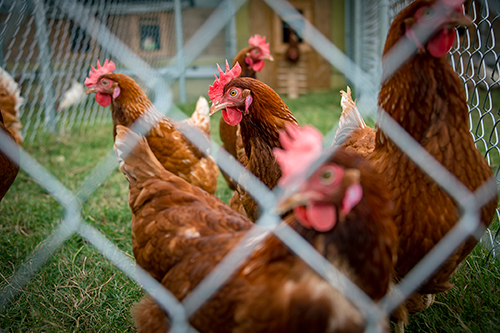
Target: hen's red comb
[216,90]
[301,147]
[95,74]
[453,3]
[260,41]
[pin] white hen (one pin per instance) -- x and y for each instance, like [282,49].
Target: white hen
[73,96]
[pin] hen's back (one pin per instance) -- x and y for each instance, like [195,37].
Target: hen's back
[179,155]
[8,168]
[273,291]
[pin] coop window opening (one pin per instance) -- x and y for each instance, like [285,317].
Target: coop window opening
[282,30]
[287,30]
[150,34]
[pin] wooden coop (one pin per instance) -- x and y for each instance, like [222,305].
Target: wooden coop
[297,68]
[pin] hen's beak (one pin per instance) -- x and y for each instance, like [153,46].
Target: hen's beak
[90,90]
[267,57]
[295,200]
[458,18]
[216,107]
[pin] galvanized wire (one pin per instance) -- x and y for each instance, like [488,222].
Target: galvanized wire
[476,61]
[100,32]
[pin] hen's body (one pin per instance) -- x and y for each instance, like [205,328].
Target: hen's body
[8,167]
[181,233]
[71,97]
[169,214]
[426,97]
[274,291]
[366,241]
[259,128]
[176,153]
[10,101]
[436,115]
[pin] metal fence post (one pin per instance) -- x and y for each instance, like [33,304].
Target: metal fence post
[231,33]
[357,33]
[2,44]
[46,73]
[348,32]
[384,25]
[180,51]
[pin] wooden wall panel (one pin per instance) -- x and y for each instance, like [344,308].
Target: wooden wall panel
[319,68]
[264,21]
[261,18]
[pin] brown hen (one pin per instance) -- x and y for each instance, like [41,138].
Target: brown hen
[251,59]
[261,115]
[341,209]
[176,153]
[426,97]
[8,167]
[293,51]
[180,233]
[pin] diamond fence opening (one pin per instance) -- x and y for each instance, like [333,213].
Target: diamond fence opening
[48,45]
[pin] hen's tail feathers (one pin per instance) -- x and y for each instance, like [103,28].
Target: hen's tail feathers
[135,158]
[419,302]
[149,317]
[10,102]
[200,116]
[350,118]
[400,315]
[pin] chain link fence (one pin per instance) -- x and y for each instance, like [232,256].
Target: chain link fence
[48,44]
[48,52]
[474,58]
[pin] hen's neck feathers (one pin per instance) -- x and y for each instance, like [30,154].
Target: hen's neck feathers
[267,115]
[132,103]
[246,71]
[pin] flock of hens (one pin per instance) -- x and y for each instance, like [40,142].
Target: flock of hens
[368,209]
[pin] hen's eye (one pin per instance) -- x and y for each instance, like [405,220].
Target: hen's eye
[105,82]
[327,177]
[233,93]
[427,13]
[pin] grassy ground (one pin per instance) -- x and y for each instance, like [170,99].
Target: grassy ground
[79,290]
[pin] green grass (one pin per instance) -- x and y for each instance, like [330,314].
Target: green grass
[79,290]
[472,305]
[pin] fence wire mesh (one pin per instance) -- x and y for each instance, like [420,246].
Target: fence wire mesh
[48,45]
[474,58]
